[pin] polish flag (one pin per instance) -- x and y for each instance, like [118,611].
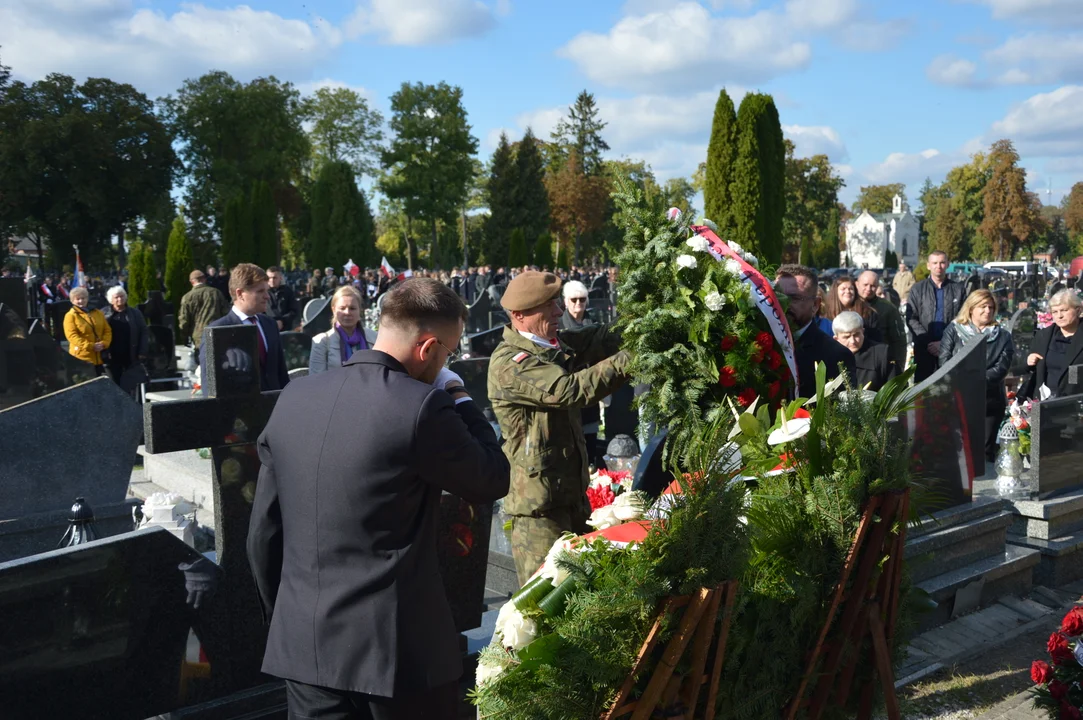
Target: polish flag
[386,269]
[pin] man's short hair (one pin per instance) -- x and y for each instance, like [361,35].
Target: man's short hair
[795,270]
[274,269]
[847,321]
[196,276]
[422,303]
[941,253]
[245,276]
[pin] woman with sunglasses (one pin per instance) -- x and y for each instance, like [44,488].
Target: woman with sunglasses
[575,306]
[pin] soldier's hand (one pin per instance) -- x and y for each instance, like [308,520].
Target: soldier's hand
[447,380]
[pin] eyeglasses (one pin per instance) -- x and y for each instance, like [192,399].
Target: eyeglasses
[452,355]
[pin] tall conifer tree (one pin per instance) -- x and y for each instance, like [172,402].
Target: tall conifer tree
[503,211]
[543,251]
[342,224]
[531,197]
[758,196]
[178,262]
[721,155]
[264,233]
[582,131]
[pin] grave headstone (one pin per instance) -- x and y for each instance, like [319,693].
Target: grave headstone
[463,553]
[475,375]
[31,362]
[620,417]
[297,346]
[651,475]
[156,310]
[161,353]
[1056,448]
[316,317]
[478,319]
[13,294]
[483,344]
[1023,325]
[54,318]
[947,425]
[96,630]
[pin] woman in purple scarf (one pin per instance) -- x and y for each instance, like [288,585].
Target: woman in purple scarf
[346,336]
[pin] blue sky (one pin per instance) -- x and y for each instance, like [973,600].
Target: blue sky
[891,91]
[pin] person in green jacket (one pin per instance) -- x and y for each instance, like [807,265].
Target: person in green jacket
[539,380]
[888,319]
[199,307]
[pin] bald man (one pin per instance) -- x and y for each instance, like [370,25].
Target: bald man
[888,320]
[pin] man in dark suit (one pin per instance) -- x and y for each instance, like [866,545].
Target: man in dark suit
[873,361]
[813,345]
[343,534]
[249,290]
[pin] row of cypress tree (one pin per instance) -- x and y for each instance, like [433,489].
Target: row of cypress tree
[521,253]
[744,188]
[250,228]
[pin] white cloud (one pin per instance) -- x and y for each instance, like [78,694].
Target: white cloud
[816,140]
[951,70]
[423,22]
[911,168]
[682,46]
[1045,125]
[820,14]
[307,88]
[155,51]
[1060,12]
[1040,58]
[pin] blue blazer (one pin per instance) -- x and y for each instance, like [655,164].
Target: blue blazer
[273,375]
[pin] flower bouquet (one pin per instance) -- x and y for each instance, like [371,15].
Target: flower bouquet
[1059,690]
[1019,417]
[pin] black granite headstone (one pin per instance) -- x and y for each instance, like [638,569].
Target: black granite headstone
[97,630]
[13,294]
[161,355]
[31,362]
[1023,325]
[156,310]
[1056,449]
[620,417]
[947,426]
[483,344]
[475,375]
[297,346]
[54,317]
[478,319]
[651,475]
[316,317]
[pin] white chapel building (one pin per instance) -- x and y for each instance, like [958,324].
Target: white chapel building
[869,236]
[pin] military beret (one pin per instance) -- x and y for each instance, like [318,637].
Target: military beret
[529,290]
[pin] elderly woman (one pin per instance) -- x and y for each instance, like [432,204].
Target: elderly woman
[129,345]
[333,348]
[874,363]
[88,334]
[1056,347]
[575,306]
[842,297]
[977,317]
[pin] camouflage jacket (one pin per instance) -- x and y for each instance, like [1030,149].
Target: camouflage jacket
[536,394]
[199,307]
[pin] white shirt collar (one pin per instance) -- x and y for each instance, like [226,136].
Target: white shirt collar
[540,341]
[241,315]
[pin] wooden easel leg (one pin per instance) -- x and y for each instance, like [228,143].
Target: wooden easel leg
[720,650]
[644,654]
[882,660]
[702,645]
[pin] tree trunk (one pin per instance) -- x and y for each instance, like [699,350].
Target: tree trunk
[411,246]
[466,252]
[434,253]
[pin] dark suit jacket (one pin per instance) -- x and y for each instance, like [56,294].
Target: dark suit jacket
[816,346]
[873,365]
[1040,344]
[273,375]
[344,525]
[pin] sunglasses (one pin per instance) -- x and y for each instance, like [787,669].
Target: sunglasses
[577,300]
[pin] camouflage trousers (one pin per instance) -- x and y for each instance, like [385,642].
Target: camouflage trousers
[531,538]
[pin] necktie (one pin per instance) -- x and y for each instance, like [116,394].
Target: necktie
[262,346]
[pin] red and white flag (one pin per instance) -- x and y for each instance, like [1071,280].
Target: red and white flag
[386,269]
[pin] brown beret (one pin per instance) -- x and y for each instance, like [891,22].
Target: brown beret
[529,290]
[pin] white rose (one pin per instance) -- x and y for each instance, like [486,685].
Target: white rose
[697,243]
[733,267]
[737,248]
[604,517]
[630,506]
[550,569]
[487,673]
[517,631]
[714,301]
[752,260]
[686,261]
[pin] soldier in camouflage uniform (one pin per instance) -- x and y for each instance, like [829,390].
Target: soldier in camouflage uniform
[539,380]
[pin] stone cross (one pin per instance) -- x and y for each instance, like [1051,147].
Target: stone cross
[228,419]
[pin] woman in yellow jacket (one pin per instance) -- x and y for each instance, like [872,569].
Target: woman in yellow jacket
[87,331]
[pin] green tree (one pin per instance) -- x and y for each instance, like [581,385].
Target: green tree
[502,189]
[178,264]
[531,197]
[812,189]
[231,135]
[581,131]
[238,244]
[825,253]
[517,252]
[157,226]
[1072,205]
[543,251]
[949,233]
[578,202]
[79,163]
[429,159]
[344,128]
[757,191]
[562,256]
[678,192]
[878,198]
[342,224]
[140,269]
[293,251]
[264,217]
[721,156]
[1012,215]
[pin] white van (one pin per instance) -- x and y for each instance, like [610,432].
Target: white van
[1015,267]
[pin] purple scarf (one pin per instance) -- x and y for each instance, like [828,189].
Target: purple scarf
[351,343]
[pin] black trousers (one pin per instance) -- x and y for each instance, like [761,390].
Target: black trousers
[310,702]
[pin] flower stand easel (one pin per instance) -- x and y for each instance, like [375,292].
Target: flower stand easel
[699,626]
[867,620]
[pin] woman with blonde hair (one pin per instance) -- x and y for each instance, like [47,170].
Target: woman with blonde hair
[1056,347]
[977,318]
[87,331]
[333,348]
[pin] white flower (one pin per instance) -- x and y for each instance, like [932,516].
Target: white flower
[709,223]
[737,249]
[789,431]
[829,389]
[673,214]
[697,243]
[686,261]
[516,631]
[733,267]
[550,569]
[714,301]
[486,673]
[628,506]
[752,260]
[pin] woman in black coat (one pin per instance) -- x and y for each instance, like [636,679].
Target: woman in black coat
[978,317]
[1055,348]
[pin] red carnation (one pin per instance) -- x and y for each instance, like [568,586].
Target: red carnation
[774,389]
[764,341]
[1058,690]
[801,413]
[600,497]
[1041,672]
[1058,649]
[747,396]
[1072,624]
[727,376]
[1069,712]
[773,360]
[728,343]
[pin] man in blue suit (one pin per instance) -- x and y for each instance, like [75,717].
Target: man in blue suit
[250,292]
